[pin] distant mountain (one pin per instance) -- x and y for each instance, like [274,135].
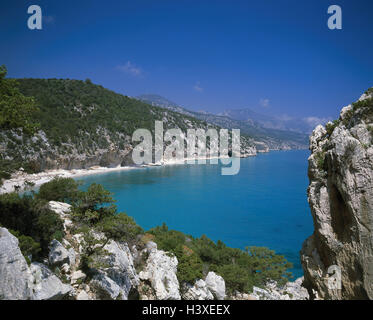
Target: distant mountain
[262,128]
[301,125]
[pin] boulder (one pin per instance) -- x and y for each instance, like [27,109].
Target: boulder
[47,286]
[216,285]
[15,276]
[59,255]
[119,280]
[197,292]
[160,271]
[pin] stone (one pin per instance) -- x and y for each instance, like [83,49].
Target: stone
[216,285]
[58,255]
[83,295]
[48,286]
[119,280]
[78,276]
[160,271]
[63,210]
[15,276]
[197,292]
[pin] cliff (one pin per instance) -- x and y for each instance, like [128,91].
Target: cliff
[340,195]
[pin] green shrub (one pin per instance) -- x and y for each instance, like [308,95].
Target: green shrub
[59,189]
[30,218]
[241,270]
[330,126]
[28,246]
[120,227]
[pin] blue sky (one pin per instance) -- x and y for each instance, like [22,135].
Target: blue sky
[275,56]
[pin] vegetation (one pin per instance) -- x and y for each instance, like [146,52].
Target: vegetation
[240,269]
[320,159]
[31,221]
[330,126]
[16,110]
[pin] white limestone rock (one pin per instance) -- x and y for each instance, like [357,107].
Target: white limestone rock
[197,292]
[216,285]
[15,276]
[46,285]
[120,278]
[160,271]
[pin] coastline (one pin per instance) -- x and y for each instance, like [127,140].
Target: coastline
[19,178]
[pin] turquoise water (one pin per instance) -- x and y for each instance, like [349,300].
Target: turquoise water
[264,205]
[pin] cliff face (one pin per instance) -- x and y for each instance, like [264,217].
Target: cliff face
[340,195]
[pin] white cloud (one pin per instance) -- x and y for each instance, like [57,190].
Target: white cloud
[197,87]
[131,69]
[314,121]
[264,102]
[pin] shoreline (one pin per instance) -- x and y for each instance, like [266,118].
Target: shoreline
[19,178]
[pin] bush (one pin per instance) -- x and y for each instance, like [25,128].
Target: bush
[240,269]
[29,247]
[59,189]
[120,227]
[31,218]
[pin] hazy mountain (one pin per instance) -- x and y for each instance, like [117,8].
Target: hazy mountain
[302,125]
[262,128]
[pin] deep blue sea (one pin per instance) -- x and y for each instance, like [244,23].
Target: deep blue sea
[264,205]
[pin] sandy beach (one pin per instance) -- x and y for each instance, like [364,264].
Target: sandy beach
[19,178]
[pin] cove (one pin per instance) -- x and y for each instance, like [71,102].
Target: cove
[265,204]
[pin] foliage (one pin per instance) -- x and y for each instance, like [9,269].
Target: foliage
[16,110]
[29,247]
[59,189]
[240,269]
[30,218]
[320,160]
[330,126]
[93,252]
[120,227]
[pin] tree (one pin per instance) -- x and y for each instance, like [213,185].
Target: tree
[16,110]
[60,189]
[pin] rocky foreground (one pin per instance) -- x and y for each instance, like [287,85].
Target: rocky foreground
[338,258]
[126,273]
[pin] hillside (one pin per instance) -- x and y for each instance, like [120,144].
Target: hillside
[250,123]
[83,124]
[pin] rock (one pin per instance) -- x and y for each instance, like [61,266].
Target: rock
[48,286]
[78,276]
[15,276]
[82,295]
[63,210]
[338,258]
[120,279]
[216,285]
[160,271]
[290,291]
[197,292]
[58,255]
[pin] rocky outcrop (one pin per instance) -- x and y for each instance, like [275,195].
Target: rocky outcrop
[46,285]
[15,276]
[290,291]
[160,271]
[119,279]
[199,291]
[58,255]
[338,258]
[216,285]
